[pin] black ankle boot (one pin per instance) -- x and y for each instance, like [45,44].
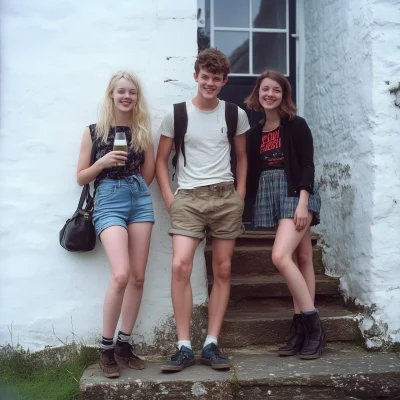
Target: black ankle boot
[315,340]
[296,340]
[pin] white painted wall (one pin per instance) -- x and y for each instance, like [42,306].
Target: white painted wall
[56,59]
[351,49]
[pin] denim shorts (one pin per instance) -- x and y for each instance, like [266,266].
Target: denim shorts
[273,202]
[122,202]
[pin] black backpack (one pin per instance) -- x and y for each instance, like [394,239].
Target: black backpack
[180,127]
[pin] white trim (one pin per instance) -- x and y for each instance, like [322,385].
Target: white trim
[225,28]
[287,39]
[254,75]
[212,39]
[300,56]
[250,37]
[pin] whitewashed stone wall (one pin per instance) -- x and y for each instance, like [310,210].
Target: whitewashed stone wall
[351,62]
[56,59]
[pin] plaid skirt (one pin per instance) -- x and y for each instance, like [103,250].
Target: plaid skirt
[273,203]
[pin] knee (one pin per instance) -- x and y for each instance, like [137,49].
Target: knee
[222,271]
[137,281]
[280,260]
[304,259]
[120,280]
[181,270]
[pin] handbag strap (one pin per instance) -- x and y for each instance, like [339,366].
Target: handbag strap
[86,196]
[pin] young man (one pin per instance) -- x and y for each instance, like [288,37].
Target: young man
[206,201]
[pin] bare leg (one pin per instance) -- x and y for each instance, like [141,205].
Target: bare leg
[286,241]
[304,254]
[222,256]
[184,248]
[139,235]
[115,242]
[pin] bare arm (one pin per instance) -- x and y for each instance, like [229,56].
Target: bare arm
[86,173]
[241,164]
[147,170]
[163,152]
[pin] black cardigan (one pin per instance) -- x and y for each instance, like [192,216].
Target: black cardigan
[298,151]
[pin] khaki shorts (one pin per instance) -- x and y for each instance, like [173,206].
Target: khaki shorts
[214,210]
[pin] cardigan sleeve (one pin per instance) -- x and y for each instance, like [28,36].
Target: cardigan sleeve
[306,157]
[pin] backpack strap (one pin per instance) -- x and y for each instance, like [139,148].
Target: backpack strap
[180,128]
[231,118]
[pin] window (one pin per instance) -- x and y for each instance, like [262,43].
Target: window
[254,34]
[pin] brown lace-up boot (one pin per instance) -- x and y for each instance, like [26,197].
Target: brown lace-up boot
[108,364]
[126,357]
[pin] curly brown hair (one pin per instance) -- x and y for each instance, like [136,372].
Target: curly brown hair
[214,61]
[287,108]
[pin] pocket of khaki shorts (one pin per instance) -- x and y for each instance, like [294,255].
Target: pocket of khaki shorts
[238,195]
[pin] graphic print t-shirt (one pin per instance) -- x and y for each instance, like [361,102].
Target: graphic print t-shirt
[271,150]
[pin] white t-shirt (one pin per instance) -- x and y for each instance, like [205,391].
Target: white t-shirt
[207,146]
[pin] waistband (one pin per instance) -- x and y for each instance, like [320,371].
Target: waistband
[128,179]
[272,171]
[218,187]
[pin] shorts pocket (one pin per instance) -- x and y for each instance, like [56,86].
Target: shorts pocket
[238,196]
[104,193]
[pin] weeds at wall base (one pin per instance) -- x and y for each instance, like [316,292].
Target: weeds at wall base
[46,375]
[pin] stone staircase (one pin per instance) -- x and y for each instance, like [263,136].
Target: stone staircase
[258,319]
[261,309]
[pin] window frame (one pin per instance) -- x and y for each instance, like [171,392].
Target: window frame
[250,30]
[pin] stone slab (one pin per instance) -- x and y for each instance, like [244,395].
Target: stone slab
[197,382]
[243,328]
[257,259]
[347,373]
[273,285]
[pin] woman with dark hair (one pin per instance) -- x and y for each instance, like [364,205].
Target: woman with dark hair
[281,180]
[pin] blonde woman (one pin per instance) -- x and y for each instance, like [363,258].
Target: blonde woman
[123,211]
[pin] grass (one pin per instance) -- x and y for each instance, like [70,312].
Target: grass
[48,375]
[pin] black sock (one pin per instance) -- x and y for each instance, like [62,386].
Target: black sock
[106,343]
[122,338]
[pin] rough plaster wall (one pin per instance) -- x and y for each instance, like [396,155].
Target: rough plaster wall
[351,49]
[56,59]
[383,326]
[337,106]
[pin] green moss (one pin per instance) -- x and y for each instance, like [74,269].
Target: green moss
[43,375]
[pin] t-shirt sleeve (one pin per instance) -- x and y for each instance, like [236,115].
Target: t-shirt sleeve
[167,126]
[243,122]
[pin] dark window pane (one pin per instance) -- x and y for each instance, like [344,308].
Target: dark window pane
[269,52]
[231,13]
[236,46]
[203,34]
[269,14]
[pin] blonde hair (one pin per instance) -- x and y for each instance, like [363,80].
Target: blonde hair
[140,121]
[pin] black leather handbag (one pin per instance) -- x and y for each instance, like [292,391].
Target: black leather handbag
[78,233]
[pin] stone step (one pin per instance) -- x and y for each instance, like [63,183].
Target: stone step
[256,326]
[344,372]
[257,259]
[273,285]
[255,237]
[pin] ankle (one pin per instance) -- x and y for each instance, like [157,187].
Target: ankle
[106,344]
[210,339]
[315,311]
[122,338]
[185,343]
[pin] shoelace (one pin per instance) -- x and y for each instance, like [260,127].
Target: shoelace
[179,354]
[215,352]
[110,358]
